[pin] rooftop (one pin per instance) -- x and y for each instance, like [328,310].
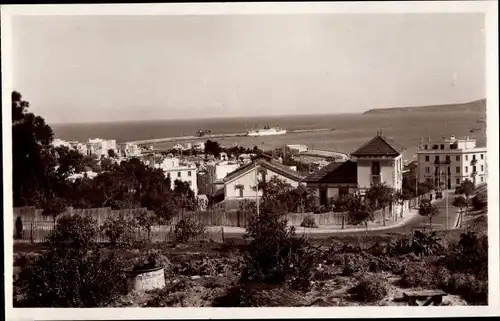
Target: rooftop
[341,173]
[380,146]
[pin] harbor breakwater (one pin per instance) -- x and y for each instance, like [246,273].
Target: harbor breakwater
[214,136]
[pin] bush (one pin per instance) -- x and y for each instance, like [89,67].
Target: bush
[470,255]
[152,259]
[188,230]
[259,295]
[472,290]
[308,221]
[118,230]
[479,202]
[419,275]
[371,288]
[354,264]
[74,272]
[19,228]
[275,255]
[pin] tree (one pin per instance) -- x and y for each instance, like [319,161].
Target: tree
[360,211]
[33,156]
[429,210]
[341,204]
[146,220]
[70,161]
[380,196]
[460,202]
[111,153]
[212,148]
[54,207]
[467,188]
[107,164]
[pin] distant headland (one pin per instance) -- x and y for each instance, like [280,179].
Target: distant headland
[473,106]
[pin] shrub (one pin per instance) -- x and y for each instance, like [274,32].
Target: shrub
[419,275]
[74,272]
[470,255]
[188,230]
[371,288]
[150,260]
[259,295]
[308,221]
[118,230]
[354,263]
[472,290]
[19,228]
[275,255]
[479,202]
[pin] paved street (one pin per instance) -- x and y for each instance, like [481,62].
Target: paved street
[441,221]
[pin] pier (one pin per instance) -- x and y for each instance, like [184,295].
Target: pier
[212,136]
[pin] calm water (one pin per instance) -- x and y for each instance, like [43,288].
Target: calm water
[350,130]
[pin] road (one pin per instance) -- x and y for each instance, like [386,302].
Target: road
[440,222]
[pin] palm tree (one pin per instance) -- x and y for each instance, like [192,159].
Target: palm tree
[380,196]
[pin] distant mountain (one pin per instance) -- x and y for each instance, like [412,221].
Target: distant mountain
[473,106]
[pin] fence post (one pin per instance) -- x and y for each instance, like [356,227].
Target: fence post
[31,232]
[222,231]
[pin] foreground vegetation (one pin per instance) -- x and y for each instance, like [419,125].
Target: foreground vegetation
[273,267]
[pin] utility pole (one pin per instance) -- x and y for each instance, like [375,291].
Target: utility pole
[446,200]
[256,189]
[416,178]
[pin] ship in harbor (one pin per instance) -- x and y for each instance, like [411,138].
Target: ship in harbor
[266,131]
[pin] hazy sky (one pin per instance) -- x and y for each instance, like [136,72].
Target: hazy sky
[106,68]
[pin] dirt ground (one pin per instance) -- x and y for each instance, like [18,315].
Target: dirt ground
[198,274]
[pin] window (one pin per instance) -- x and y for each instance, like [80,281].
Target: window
[466,169]
[178,174]
[473,157]
[457,158]
[437,158]
[482,179]
[375,168]
[427,169]
[482,168]
[442,146]
[426,158]
[482,156]
[425,146]
[343,190]
[447,158]
[466,157]
[457,170]
[190,183]
[474,168]
[449,170]
[189,173]
[458,181]
[241,192]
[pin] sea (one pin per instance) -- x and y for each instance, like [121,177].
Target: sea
[350,130]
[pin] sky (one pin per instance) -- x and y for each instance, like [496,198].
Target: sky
[119,68]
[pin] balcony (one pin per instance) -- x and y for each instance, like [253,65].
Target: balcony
[442,162]
[474,173]
[473,162]
[376,179]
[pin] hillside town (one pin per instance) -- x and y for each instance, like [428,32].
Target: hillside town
[227,175]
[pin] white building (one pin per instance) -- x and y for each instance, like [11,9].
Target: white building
[377,161]
[176,170]
[199,146]
[80,147]
[295,149]
[59,142]
[100,147]
[448,162]
[130,150]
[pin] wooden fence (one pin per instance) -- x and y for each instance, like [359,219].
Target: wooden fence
[36,226]
[37,232]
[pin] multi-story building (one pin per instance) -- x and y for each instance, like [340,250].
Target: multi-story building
[59,142]
[378,161]
[80,147]
[129,150]
[100,147]
[177,170]
[448,162]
